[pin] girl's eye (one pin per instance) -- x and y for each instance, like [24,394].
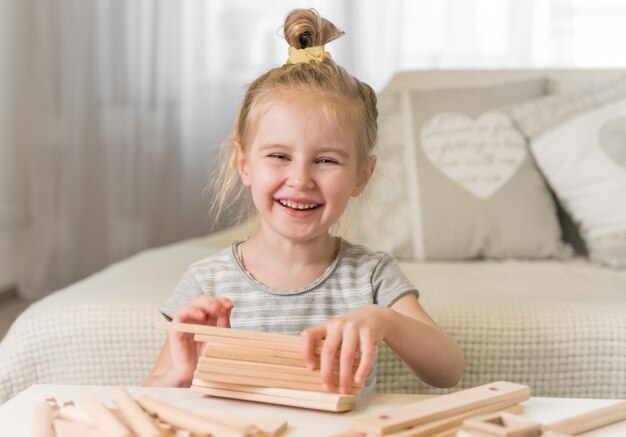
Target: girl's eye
[278,156]
[326,161]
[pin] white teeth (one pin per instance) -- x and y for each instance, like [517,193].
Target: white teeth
[295,205]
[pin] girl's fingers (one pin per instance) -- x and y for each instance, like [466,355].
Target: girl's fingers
[327,356]
[190,314]
[224,322]
[308,339]
[212,307]
[349,345]
[368,350]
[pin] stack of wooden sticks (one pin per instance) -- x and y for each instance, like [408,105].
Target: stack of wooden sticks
[142,417]
[262,367]
[441,416]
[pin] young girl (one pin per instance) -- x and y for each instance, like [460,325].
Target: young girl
[302,146]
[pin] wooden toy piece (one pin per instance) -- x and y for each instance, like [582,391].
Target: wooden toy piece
[285,345]
[507,426]
[593,419]
[136,418]
[103,419]
[276,370]
[229,333]
[267,427]
[294,398]
[260,353]
[42,419]
[192,422]
[263,375]
[454,423]
[441,407]
[73,413]
[237,363]
[502,425]
[448,425]
[66,428]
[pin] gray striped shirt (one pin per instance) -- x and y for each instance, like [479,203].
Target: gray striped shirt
[356,277]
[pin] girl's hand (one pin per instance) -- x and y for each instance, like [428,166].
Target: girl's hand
[204,310]
[359,329]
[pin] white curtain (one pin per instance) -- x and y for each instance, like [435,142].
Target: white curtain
[122,103]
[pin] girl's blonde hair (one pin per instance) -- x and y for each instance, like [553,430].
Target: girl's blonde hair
[341,97]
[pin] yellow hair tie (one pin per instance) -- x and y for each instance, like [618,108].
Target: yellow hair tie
[304,56]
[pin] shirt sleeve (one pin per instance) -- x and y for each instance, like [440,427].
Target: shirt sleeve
[184,293]
[389,283]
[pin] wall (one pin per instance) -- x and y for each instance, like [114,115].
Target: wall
[10,210]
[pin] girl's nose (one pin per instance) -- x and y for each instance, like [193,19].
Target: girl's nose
[300,178]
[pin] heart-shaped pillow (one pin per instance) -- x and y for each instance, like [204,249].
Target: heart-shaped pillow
[480,154]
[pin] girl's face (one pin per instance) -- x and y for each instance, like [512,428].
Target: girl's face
[302,170]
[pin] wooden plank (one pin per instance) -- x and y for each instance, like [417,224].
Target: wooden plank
[265,356]
[280,392]
[270,379]
[192,422]
[242,355]
[277,400]
[291,349]
[265,382]
[453,423]
[502,424]
[442,426]
[263,369]
[591,420]
[228,332]
[441,407]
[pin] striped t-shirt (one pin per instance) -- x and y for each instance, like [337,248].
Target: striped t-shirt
[356,277]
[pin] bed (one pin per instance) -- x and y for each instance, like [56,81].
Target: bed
[533,300]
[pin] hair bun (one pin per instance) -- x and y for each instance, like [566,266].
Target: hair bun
[305,28]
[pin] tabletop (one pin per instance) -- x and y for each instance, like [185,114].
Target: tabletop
[16,413]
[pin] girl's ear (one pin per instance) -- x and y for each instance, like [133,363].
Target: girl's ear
[368,170]
[242,164]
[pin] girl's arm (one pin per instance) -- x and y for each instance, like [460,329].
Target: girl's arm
[429,352]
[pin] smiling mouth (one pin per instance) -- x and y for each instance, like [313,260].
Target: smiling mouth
[299,206]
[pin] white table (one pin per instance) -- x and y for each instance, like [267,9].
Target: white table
[16,413]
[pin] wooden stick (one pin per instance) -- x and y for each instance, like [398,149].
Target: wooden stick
[227,332]
[42,419]
[280,392]
[66,428]
[454,422]
[441,426]
[263,369]
[267,426]
[102,418]
[75,414]
[264,382]
[293,349]
[269,399]
[137,419]
[234,354]
[441,407]
[192,422]
[591,420]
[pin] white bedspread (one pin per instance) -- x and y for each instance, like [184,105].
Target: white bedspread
[559,327]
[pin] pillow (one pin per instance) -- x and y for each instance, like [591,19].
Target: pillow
[456,180]
[579,142]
